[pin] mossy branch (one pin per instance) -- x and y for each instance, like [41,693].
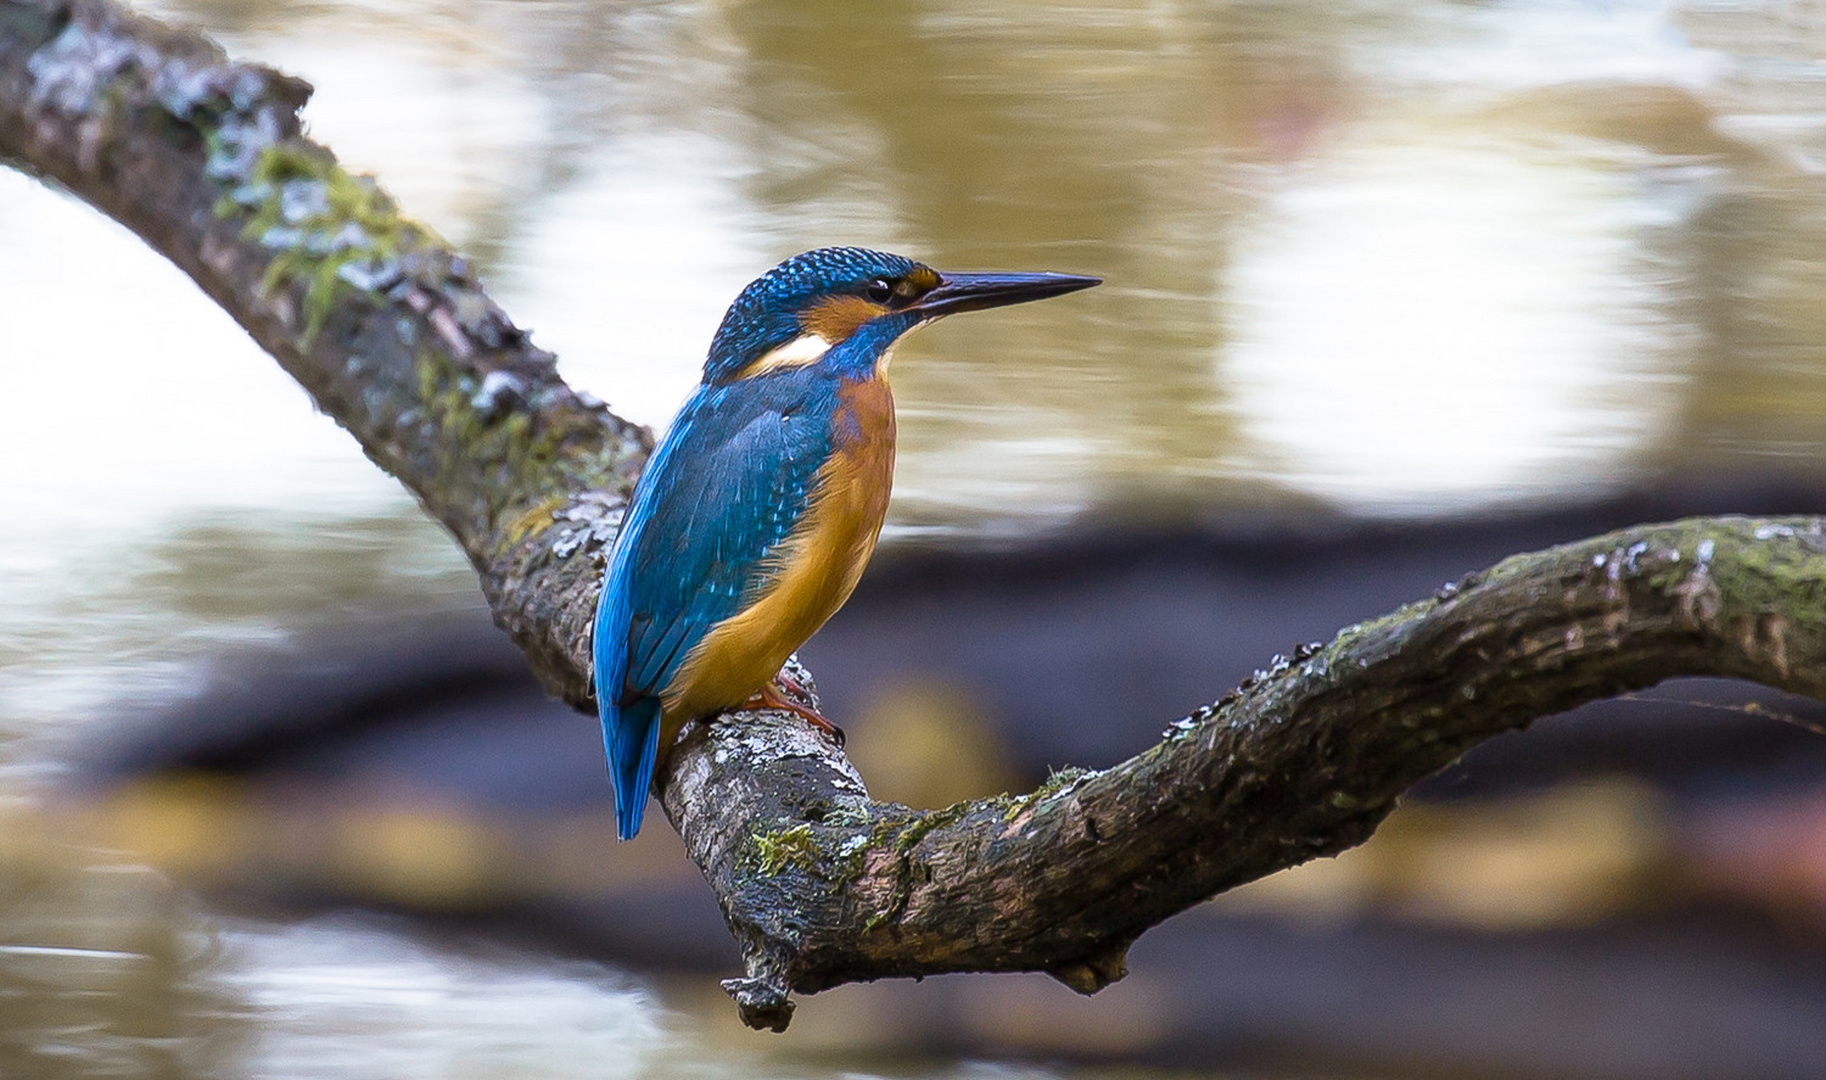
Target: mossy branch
[392,335]
[1303,760]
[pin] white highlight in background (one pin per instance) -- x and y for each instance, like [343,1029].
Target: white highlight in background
[1436,325]
[626,273]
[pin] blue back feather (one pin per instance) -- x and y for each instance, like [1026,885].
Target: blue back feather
[692,544]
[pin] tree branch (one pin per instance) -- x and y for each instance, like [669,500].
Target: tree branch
[394,338]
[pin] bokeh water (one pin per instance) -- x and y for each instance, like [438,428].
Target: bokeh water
[1371,258]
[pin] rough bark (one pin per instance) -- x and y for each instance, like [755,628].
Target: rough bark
[394,338]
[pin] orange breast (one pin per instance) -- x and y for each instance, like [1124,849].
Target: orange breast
[811,573]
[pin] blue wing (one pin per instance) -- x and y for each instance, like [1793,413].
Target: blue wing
[727,483]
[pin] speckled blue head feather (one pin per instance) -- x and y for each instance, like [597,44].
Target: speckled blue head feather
[766,314]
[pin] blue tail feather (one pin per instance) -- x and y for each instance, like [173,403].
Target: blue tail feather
[630,730]
[631,735]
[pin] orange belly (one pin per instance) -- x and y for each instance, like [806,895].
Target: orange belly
[810,574]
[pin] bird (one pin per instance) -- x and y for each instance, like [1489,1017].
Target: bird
[758,509]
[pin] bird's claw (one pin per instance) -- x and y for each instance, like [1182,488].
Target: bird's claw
[774,696]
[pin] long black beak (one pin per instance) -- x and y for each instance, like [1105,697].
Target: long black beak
[974,292]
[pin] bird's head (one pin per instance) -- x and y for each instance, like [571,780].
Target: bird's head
[802,309]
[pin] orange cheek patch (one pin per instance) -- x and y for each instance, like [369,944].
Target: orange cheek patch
[836,318]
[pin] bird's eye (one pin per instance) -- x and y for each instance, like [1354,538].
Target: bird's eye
[881,290]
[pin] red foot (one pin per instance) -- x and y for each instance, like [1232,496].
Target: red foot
[770,696]
[791,685]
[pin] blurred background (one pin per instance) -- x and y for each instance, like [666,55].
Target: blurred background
[1394,288]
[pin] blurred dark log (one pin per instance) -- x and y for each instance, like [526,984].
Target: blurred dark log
[1067,648]
[819,884]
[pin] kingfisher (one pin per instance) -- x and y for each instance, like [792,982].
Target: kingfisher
[759,508]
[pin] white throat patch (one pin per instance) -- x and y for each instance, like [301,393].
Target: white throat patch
[887,354]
